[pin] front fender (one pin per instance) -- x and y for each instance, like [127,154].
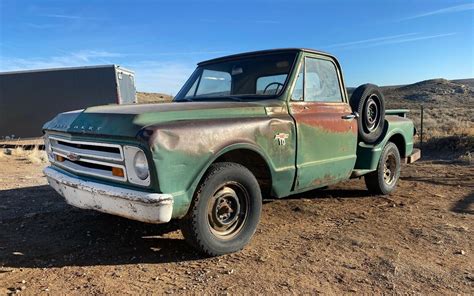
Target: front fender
[183,151]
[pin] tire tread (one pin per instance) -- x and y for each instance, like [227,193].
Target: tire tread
[189,223]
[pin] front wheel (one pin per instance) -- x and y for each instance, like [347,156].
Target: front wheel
[385,178]
[225,210]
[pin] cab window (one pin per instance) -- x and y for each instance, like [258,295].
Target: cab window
[321,81]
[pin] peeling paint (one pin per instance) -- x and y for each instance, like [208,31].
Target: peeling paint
[136,205]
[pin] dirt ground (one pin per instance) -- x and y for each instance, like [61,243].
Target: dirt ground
[331,241]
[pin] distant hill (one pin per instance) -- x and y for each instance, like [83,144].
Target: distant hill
[434,92]
[146,98]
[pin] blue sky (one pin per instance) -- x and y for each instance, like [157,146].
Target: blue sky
[383,42]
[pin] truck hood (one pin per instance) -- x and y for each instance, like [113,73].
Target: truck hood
[128,120]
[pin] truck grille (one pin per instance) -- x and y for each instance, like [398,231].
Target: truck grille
[88,158]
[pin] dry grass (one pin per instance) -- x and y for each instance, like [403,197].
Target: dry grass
[444,122]
[35,155]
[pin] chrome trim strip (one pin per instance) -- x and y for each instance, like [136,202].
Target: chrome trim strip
[90,171]
[81,153]
[89,144]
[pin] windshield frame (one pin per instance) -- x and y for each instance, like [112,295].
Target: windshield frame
[181,95]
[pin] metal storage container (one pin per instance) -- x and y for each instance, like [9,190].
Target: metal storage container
[28,99]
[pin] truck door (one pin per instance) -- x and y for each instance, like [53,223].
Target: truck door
[326,127]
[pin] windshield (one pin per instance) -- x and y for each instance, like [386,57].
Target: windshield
[253,77]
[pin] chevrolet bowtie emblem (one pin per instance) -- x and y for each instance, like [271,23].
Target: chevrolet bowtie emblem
[73,157]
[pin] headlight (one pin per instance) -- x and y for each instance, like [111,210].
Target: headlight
[141,165]
[138,170]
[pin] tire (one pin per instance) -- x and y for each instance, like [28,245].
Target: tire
[378,182]
[225,210]
[368,101]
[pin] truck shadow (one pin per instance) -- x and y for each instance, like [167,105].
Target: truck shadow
[38,229]
[331,192]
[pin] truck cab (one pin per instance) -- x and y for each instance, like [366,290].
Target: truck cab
[267,123]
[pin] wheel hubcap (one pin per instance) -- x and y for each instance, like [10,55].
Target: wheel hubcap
[372,114]
[390,169]
[227,210]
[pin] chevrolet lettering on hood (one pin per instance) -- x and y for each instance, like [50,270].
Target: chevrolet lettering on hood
[242,128]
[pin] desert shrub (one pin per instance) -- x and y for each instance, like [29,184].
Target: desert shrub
[35,155]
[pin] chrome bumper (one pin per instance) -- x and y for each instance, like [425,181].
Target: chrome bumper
[131,204]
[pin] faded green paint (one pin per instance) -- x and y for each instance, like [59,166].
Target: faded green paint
[324,157]
[184,150]
[369,155]
[182,140]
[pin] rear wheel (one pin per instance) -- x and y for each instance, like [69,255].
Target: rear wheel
[385,178]
[225,210]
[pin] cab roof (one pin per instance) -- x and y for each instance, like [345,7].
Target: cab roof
[264,52]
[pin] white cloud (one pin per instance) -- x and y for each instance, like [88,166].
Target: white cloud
[387,40]
[418,38]
[240,21]
[69,17]
[368,41]
[89,55]
[451,9]
[73,59]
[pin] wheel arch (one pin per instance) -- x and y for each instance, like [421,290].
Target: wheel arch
[262,169]
[399,140]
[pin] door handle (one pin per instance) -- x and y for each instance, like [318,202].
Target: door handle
[350,116]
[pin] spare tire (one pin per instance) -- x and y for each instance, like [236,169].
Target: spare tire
[368,101]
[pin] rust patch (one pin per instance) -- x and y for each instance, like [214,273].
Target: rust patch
[327,179]
[199,137]
[327,116]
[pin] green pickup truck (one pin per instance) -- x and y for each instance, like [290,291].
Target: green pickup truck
[267,123]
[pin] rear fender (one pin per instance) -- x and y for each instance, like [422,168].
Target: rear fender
[368,155]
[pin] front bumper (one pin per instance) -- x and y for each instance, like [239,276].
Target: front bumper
[131,204]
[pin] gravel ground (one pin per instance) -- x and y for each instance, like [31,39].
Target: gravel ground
[332,241]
